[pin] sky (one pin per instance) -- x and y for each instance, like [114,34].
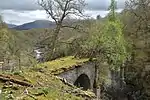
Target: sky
[23,11]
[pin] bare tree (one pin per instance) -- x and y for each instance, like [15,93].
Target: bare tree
[140,11]
[59,10]
[137,28]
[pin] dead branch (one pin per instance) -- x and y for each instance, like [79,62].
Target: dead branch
[16,81]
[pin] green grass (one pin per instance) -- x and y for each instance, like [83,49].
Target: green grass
[59,65]
[46,85]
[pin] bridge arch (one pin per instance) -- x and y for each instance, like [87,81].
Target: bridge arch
[86,72]
[83,81]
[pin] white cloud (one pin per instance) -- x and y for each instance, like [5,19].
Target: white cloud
[19,4]
[93,14]
[20,17]
[23,11]
[97,4]
[33,5]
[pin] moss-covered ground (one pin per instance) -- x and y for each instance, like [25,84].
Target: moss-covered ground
[46,86]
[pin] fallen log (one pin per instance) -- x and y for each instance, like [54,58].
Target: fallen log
[13,80]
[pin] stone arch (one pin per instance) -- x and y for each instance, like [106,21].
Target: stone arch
[83,81]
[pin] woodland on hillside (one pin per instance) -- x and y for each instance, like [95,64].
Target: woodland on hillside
[122,40]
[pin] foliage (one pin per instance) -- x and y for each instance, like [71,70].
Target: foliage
[112,8]
[136,19]
[5,37]
[59,10]
[113,40]
[15,46]
[114,44]
[107,40]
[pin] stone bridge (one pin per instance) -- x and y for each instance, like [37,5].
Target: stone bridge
[82,76]
[86,75]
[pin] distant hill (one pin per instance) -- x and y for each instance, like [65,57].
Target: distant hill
[11,25]
[36,24]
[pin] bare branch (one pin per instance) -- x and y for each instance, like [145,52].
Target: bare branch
[140,10]
[59,10]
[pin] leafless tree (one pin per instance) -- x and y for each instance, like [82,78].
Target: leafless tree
[140,11]
[59,10]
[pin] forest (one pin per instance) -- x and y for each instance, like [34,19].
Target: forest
[118,43]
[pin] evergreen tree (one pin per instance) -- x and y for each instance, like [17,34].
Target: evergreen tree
[112,8]
[114,43]
[113,40]
[107,43]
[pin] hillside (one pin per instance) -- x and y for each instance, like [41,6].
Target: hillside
[36,24]
[39,83]
[11,25]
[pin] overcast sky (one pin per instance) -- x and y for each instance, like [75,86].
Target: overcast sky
[23,11]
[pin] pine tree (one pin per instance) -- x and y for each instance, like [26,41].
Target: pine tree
[112,8]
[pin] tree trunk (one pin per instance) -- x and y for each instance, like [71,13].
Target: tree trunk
[54,41]
[122,82]
[6,78]
[19,63]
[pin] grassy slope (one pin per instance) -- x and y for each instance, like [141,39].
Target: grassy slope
[62,64]
[46,85]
